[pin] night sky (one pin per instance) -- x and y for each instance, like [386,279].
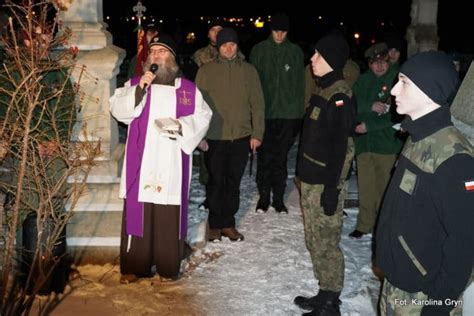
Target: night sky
[372,19]
[357,16]
[305,28]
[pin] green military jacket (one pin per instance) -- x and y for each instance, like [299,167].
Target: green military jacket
[380,138]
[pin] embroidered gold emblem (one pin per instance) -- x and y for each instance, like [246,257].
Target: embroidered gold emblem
[184,99]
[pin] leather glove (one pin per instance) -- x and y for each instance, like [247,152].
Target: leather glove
[329,200]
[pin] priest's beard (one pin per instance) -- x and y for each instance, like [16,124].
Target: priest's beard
[166,73]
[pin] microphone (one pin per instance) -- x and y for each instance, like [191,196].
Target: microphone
[153,69]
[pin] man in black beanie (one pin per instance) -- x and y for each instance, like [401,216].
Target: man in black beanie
[209,53]
[396,46]
[201,57]
[280,65]
[232,88]
[326,150]
[424,242]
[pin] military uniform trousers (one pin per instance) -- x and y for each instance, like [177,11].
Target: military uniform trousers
[396,302]
[373,173]
[323,232]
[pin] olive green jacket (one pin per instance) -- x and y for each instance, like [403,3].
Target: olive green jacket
[233,91]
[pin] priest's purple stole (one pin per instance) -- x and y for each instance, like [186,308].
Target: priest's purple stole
[185,105]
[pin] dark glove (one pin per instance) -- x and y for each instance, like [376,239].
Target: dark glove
[329,200]
[434,310]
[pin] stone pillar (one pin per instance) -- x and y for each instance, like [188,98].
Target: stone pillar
[101,60]
[462,107]
[93,234]
[422,34]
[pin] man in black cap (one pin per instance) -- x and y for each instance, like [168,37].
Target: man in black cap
[425,236]
[207,54]
[280,65]
[326,150]
[232,88]
[377,144]
[396,45]
[201,57]
[166,117]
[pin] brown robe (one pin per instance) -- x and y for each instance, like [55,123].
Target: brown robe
[159,246]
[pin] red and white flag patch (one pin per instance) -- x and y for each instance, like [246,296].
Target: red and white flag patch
[339,102]
[469,185]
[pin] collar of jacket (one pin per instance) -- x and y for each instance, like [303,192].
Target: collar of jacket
[284,43]
[427,124]
[329,78]
[237,59]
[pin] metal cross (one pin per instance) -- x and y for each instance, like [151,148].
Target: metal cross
[139,9]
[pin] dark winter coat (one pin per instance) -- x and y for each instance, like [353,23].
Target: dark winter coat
[425,233]
[328,123]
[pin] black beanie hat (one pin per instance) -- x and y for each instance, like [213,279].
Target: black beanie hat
[396,42]
[434,73]
[280,22]
[151,27]
[216,22]
[334,49]
[165,41]
[226,35]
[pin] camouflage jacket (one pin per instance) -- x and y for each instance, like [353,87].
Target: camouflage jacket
[209,53]
[425,230]
[205,55]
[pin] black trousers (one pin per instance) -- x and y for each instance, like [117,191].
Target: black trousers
[272,157]
[159,246]
[225,161]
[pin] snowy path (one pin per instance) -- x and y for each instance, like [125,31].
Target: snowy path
[262,275]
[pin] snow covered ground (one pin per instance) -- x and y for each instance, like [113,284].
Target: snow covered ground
[262,275]
[259,276]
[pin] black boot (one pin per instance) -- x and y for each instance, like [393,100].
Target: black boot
[263,202]
[304,302]
[315,302]
[328,305]
[278,204]
[280,208]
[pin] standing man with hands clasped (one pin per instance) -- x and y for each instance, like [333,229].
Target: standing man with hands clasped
[425,233]
[232,88]
[157,167]
[326,151]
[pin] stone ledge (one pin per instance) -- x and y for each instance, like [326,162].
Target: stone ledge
[94,255]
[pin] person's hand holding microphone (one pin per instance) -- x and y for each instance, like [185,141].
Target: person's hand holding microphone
[148,76]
